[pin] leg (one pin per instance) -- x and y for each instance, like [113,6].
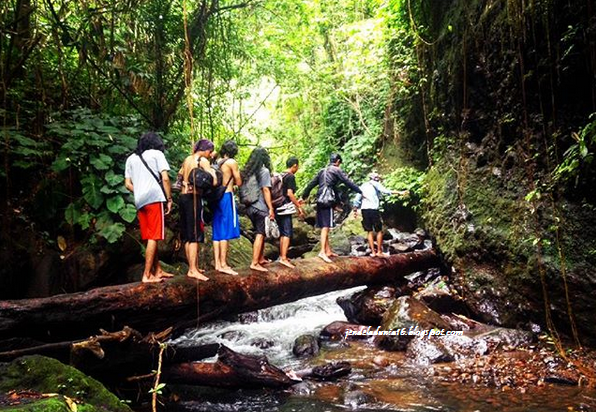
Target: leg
[192,249]
[216,254]
[149,275]
[284,245]
[371,243]
[223,258]
[325,244]
[257,250]
[380,243]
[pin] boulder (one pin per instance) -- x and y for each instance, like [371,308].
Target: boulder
[337,331]
[367,307]
[305,346]
[438,296]
[43,375]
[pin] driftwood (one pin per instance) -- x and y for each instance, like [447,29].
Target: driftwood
[232,370]
[186,302]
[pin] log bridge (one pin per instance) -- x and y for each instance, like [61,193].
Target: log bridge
[183,302]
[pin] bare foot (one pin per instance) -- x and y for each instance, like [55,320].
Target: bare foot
[161,274]
[259,268]
[228,270]
[324,257]
[151,279]
[286,262]
[381,255]
[264,261]
[196,275]
[333,254]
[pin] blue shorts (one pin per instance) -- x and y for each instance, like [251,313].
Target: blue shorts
[285,225]
[325,217]
[226,225]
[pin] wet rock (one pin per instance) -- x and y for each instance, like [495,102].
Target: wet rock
[427,351]
[396,248]
[368,306]
[248,317]
[356,399]
[408,316]
[330,371]
[439,297]
[337,331]
[262,343]
[305,346]
[417,280]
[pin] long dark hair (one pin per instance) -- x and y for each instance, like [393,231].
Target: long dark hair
[258,158]
[148,141]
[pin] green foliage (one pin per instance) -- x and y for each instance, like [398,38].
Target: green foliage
[406,178]
[579,157]
[104,203]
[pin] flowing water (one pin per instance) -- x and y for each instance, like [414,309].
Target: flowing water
[380,381]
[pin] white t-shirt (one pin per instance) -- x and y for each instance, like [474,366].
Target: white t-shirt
[146,188]
[370,194]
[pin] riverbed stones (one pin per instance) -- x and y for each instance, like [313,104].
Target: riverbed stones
[305,346]
[368,306]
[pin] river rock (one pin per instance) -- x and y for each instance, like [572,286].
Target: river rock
[337,331]
[305,346]
[40,375]
[438,296]
[426,351]
[407,314]
[368,306]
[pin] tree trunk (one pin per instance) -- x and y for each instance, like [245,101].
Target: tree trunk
[182,302]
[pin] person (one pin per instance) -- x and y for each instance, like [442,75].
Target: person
[373,189]
[257,172]
[146,176]
[226,225]
[328,177]
[283,215]
[192,225]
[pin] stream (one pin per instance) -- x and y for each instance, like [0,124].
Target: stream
[380,380]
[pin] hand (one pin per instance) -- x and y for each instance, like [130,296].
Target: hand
[300,202]
[301,214]
[271,214]
[169,206]
[405,193]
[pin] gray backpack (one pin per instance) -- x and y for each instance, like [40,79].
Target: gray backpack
[250,191]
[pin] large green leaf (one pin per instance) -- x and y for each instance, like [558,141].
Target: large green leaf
[114,179]
[112,232]
[128,213]
[115,203]
[72,214]
[101,162]
[92,191]
[61,163]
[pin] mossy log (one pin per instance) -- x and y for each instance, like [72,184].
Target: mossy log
[183,302]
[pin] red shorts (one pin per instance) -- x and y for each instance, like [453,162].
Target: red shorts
[151,220]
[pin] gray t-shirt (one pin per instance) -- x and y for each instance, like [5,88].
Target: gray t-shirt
[146,188]
[264,180]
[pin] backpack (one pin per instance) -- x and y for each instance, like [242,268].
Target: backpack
[327,196]
[278,197]
[250,191]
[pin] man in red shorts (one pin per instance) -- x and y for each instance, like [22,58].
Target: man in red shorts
[146,176]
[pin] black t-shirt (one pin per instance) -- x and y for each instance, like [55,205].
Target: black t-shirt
[288,182]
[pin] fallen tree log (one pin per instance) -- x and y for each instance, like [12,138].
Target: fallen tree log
[157,306]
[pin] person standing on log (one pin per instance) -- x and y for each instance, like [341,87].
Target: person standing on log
[146,176]
[283,214]
[369,202]
[226,225]
[327,179]
[255,193]
[192,225]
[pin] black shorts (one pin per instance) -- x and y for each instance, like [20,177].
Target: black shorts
[257,217]
[192,226]
[325,217]
[371,220]
[285,225]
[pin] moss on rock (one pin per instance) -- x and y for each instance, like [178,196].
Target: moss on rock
[49,376]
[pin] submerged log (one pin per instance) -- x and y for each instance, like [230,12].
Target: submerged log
[176,302]
[232,370]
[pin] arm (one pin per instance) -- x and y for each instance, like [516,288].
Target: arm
[128,184]
[311,185]
[165,178]
[344,178]
[236,173]
[267,196]
[296,202]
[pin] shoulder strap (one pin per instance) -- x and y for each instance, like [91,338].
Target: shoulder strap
[157,178]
